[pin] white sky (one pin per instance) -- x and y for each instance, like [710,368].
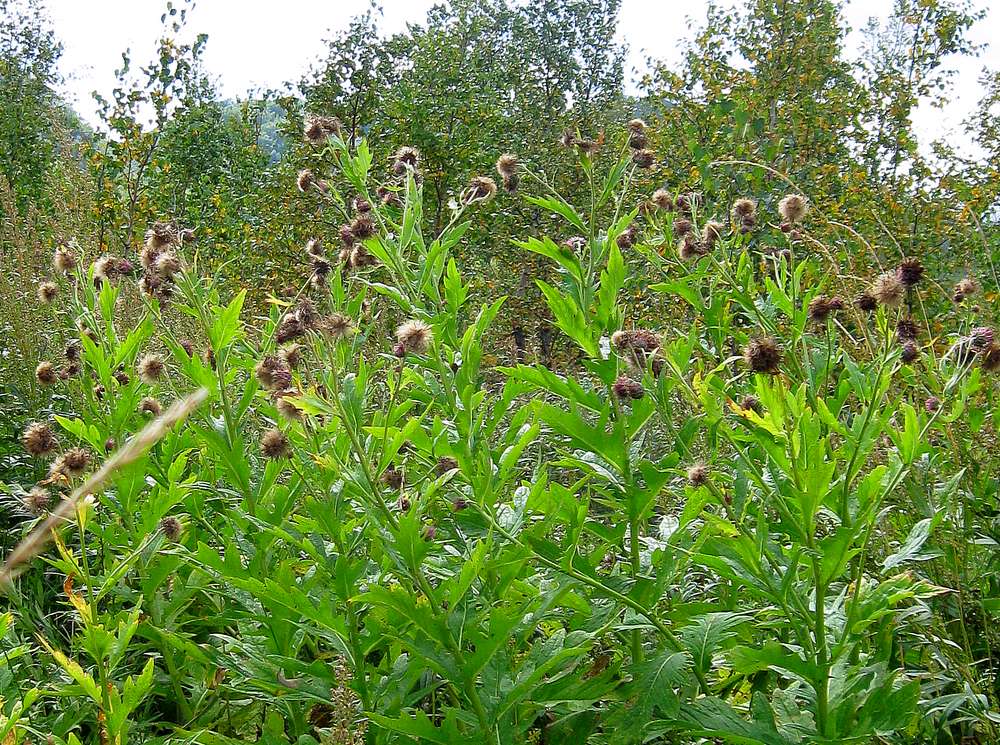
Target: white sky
[263,44]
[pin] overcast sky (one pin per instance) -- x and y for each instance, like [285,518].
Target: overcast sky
[259,44]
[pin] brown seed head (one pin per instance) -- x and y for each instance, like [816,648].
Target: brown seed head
[819,309]
[64,260]
[910,271]
[150,406]
[47,292]
[74,462]
[171,527]
[637,126]
[888,289]
[414,336]
[682,226]
[151,369]
[338,326]
[907,329]
[793,208]
[480,189]
[45,373]
[626,388]
[274,444]
[444,465]
[362,227]
[287,408]
[711,232]
[37,501]
[643,158]
[763,355]
[990,358]
[39,440]
[662,199]
[305,180]
[744,208]
[507,165]
[697,475]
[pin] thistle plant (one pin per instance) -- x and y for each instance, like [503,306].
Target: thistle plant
[704,526]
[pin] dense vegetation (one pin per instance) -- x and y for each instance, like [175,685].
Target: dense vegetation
[457,395]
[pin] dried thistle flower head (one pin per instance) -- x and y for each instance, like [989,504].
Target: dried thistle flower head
[360,258]
[171,528]
[965,287]
[990,358]
[507,165]
[637,125]
[697,475]
[289,328]
[910,271]
[362,227]
[274,444]
[160,236]
[751,403]
[47,292]
[586,146]
[444,465]
[37,501]
[819,309]
[567,138]
[907,329]
[909,352]
[305,180]
[316,129]
[689,247]
[981,337]
[64,260]
[74,462]
[39,440]
[151,369]
[167,265]
[306,314]
[150,406]
[637,140]
[662,199]
[682,226]
[361,205]
[414,336]
[711,232]
[888,289]
[480,189]
[338,326]
[405,158]
[626,239]
[793,208]
[763,355]
[393,478]
[626,388]
[643,158]
[346,235]
[744,208]
[314,247]
[866,302]
[273,374]
[45,373]
[292,355]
